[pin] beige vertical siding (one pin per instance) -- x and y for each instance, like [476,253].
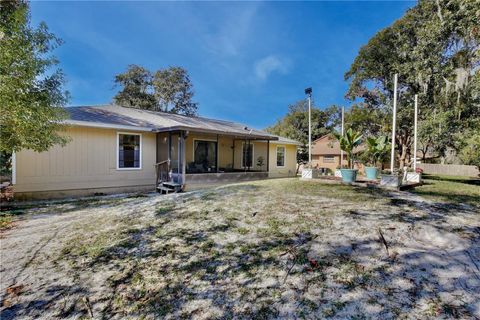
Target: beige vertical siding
[290,161]
[89,160]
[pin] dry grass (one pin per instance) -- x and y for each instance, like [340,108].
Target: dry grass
[268,249]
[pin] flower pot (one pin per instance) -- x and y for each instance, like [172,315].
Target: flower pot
[390,181]
[349,175]
[371,173]
[413,177]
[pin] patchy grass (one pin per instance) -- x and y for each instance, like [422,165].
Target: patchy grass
[451,189]
[266,249]
[6,221]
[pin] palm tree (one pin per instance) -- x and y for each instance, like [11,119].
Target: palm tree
[348,143]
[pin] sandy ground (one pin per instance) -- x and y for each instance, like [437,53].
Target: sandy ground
[270,249]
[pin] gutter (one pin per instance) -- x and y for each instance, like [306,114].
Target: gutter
[107,126]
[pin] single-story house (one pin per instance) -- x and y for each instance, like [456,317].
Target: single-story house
[326,153]
[116,149]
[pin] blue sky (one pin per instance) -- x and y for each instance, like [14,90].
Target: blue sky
[247,60]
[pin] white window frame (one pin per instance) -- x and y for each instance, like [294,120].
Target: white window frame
[284,156]
[253,155]
[118,149]
[331,158]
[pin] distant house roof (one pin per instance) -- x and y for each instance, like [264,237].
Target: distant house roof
[329,145]
[113,116]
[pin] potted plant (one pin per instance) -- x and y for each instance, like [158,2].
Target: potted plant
[260,162]
[348,143]
[376,150]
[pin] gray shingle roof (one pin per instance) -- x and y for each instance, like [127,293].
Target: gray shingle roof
[114,115]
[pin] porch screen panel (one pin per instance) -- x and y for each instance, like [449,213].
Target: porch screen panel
[128,151]
[247,155]
[205,155]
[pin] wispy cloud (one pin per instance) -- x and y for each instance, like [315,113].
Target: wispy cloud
[231,32]
[271,63]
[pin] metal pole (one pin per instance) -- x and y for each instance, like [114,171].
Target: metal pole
[415,135]
[392,156]
[309,130]
[341,151]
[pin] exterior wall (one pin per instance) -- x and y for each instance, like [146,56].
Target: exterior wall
[259,150]
[290,168]
[319,161]
[225,144]
[88,161]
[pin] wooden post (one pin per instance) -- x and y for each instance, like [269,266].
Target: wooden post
[268,155]
[169,154]
[233,154]
[250,154]
[216,155]
[184,159]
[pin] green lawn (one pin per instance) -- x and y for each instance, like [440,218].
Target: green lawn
[451,189]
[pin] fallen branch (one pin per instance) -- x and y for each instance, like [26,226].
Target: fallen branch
[87,304]
[382,239]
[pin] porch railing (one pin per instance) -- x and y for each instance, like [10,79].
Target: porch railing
[162,170]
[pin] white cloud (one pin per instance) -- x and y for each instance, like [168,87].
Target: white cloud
[231,31]
[271,63]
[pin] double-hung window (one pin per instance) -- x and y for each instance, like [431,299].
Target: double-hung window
[129,151]
[280,156]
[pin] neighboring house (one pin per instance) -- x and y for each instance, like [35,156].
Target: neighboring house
[326,153]
[117,149]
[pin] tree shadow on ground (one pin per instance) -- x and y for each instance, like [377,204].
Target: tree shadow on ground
[179,267]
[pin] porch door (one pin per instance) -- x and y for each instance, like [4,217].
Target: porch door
[177,159]
[205,156]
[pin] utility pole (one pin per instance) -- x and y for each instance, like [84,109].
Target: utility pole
[392,155]
[415,134]
[308,92]
[341,151]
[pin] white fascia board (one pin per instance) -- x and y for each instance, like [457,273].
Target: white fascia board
[106,126]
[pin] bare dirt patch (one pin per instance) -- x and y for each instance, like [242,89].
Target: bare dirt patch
[268,249]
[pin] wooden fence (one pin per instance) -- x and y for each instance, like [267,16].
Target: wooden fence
[449,169]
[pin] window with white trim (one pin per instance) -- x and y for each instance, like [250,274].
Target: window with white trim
[129,153]
[328,159]
[280,156]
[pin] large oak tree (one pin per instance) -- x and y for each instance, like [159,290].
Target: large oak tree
[167,90]
[434,48]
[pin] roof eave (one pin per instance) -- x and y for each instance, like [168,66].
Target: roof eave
[222,132]
[106,125]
